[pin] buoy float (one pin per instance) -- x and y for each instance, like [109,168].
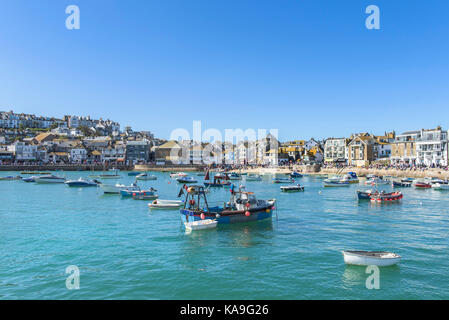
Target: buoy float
[247,213]
[202,216]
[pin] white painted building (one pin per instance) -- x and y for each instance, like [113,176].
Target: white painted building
[336,150]
[23,152]
[432,148]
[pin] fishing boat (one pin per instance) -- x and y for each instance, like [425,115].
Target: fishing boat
[376,181]
[384,197]
[440,186]
[401,184]
[133,173]
[165,204]
[422,185]
[296,188]
[242,207]
[351,177]
[178,174]
[407,180]
[82,183]
[283,180]
[295,174]
[49,179]
[115,189]
[10,178]
[186,180]
[254,177]
[146,177]
[369,258]
[144,195]
[200,225]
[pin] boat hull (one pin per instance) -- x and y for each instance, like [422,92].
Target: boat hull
[229,217]
[361,260]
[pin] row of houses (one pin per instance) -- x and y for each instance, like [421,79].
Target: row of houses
[12,120]
[50,148]
[425,147]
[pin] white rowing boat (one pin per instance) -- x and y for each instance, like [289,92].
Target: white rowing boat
[368,258]
[165,204]
[200,225]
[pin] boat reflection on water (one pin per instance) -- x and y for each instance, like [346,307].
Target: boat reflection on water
[356,277]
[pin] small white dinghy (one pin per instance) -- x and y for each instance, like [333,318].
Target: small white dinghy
[369,258]
[200,225]
[165,204]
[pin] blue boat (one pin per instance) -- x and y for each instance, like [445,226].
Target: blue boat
[243,207]
[133,173]
[295,174]
[186,180]
[129,193]
[82,183]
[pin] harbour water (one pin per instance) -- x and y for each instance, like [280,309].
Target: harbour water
[126,251]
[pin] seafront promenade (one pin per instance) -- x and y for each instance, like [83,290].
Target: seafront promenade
[90,167]
[312,170]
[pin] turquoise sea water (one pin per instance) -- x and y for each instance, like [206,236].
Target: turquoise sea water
[126,251]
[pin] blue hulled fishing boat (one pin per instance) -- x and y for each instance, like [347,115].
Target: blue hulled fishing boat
[242,207]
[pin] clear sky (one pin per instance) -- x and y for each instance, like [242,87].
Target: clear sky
[308,68]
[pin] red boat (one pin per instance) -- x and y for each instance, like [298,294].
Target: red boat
[423,185]
[386,197]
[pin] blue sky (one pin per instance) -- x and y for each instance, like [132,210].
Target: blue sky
[308,68]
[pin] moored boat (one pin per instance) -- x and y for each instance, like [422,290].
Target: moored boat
[115,189]
[29,179]
[146,177]
[351,177]
[283,180]
[335,183]
[369,258]
[384,197]
[242,207]
[440,186]
[366,195]
[401,184]
[296,188]
[49,179]
[134,173]
[234,176]
[295,174]
[82,183]
[422,185]
[165,204]
[10,178]
[253,177]
[186,180]
[144,195]
[129,192]
[178,174]
[200,225]
[376,181]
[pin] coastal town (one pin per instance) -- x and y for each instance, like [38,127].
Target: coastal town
[27,139]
